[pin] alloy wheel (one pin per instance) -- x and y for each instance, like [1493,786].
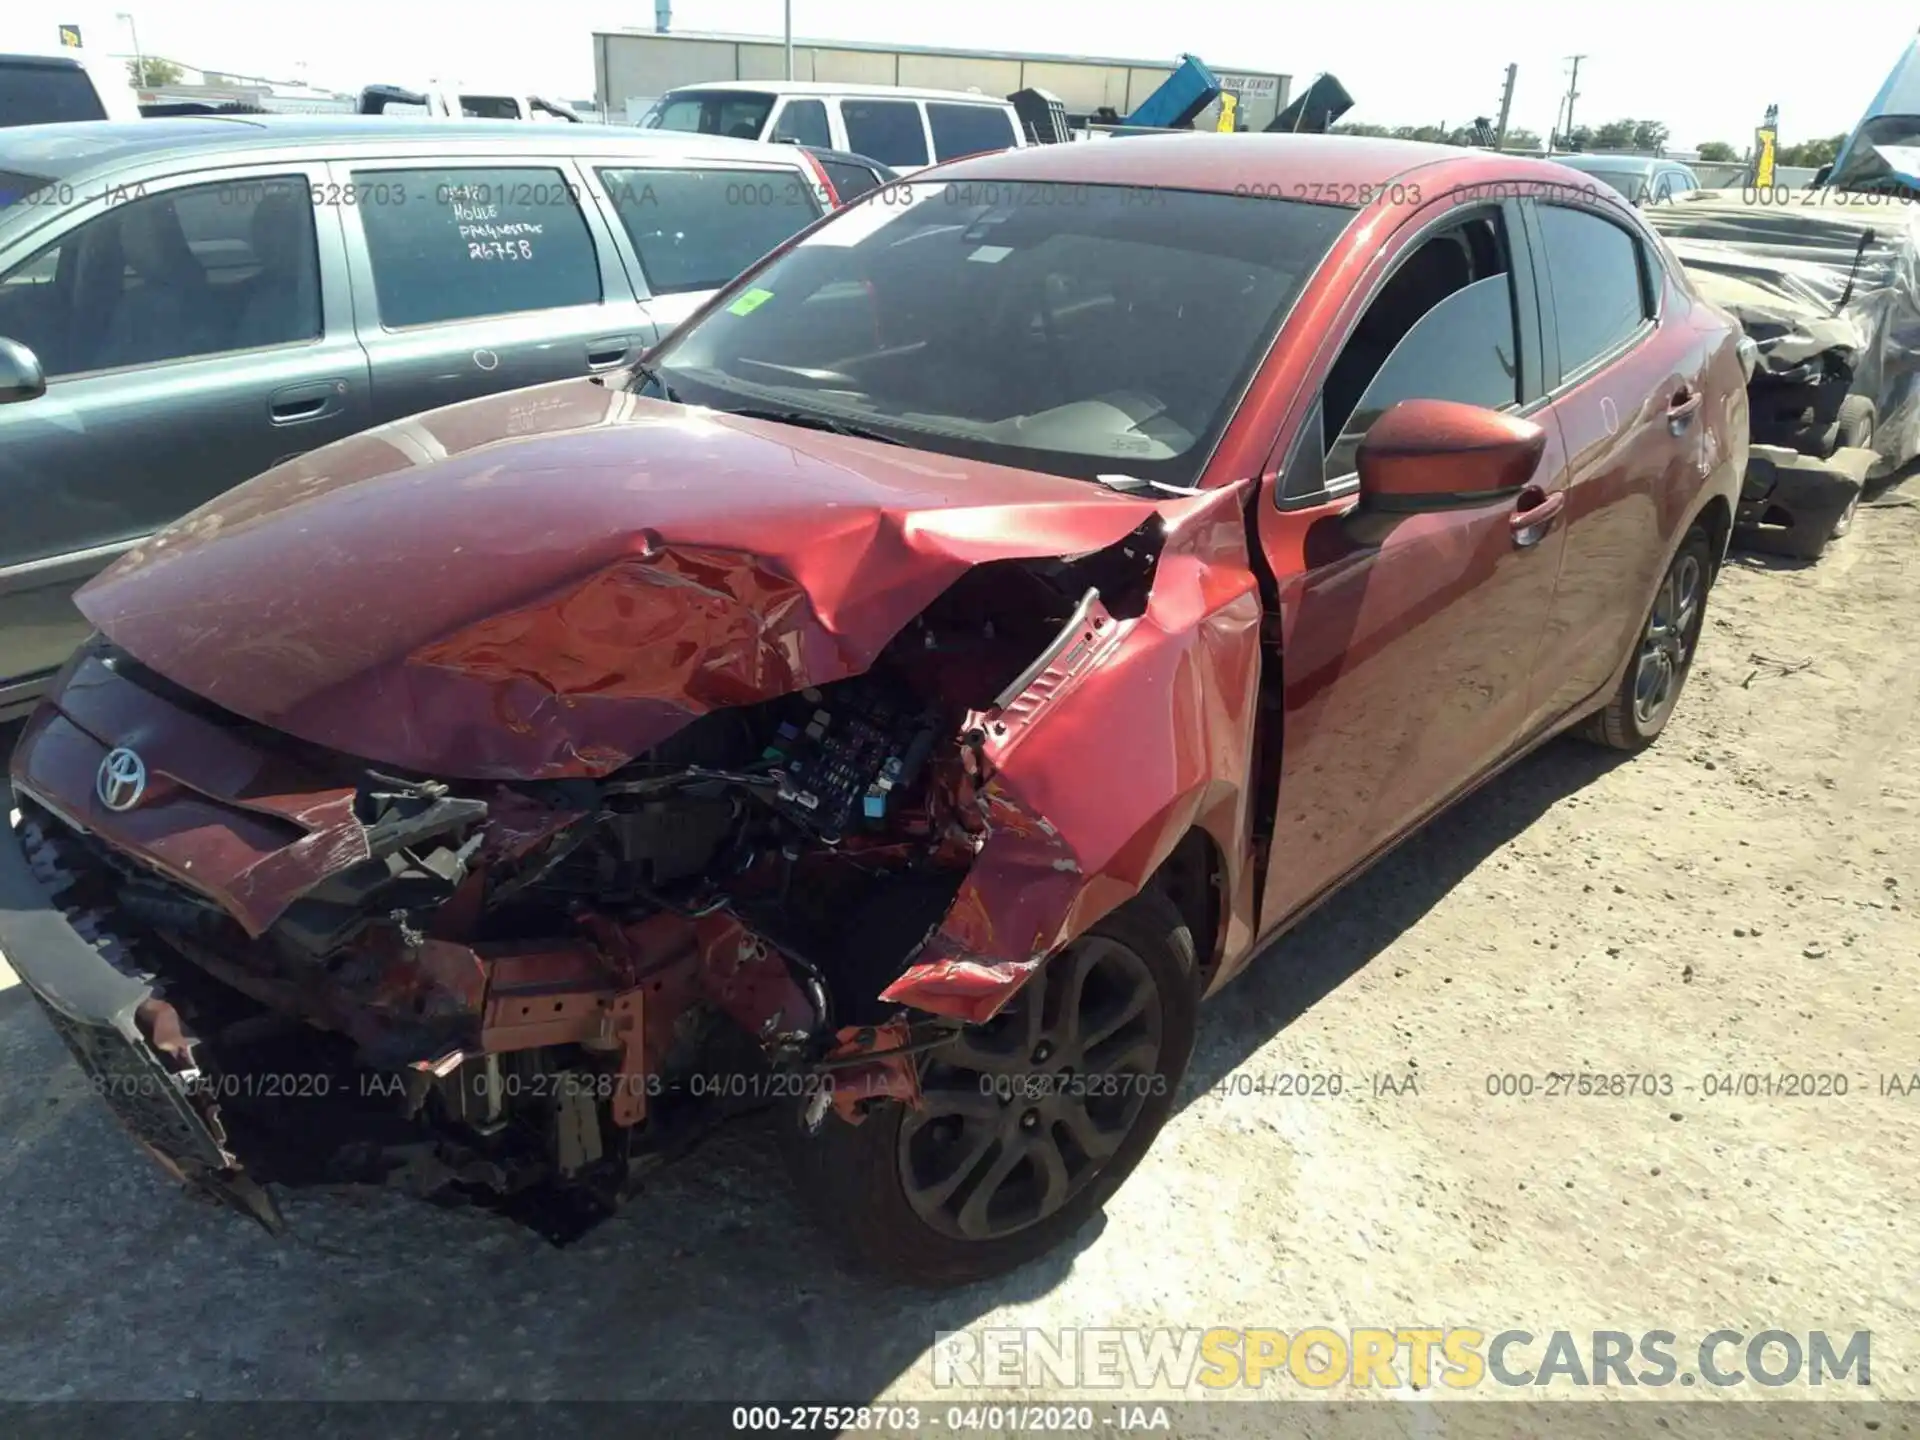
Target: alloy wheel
[1023,1112]
[1667,645]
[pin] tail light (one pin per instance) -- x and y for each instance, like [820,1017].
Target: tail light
[820,179]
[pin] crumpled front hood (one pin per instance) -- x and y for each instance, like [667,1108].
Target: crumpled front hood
[1788,328]
[548,582]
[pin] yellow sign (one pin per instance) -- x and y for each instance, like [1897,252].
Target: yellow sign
[70,36]
[1765,142]
[1229,102]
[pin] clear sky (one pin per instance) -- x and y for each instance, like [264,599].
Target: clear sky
[1708,71]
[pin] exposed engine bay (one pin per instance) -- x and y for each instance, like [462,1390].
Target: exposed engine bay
[525,993]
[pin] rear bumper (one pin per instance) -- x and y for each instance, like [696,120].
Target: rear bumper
[103,1006]
[1788,496]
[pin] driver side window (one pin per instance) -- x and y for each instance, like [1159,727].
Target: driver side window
[1442,328]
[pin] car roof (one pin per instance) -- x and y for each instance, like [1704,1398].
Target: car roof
[1327,169]
[91,147]
[47,62]
[828,87]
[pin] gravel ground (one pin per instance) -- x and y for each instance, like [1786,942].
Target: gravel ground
[1740,900]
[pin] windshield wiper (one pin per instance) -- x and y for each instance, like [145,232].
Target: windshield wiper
[1134,485]
[648,373]
[809,420]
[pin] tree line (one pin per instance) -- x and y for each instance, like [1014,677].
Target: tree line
[1809,153]
[1635,135]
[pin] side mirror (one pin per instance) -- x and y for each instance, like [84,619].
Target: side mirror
[20,375]
[1433,454]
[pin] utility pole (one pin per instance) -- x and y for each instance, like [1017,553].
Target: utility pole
[789,39]
[139,61]
[1506,105]
[1573,94]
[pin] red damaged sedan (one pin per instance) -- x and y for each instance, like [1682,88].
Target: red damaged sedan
[952,655]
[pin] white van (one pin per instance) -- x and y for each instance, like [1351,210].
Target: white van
[44,89]
[903,128]
[461,102]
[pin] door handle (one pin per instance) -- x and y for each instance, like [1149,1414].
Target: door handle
[1682,408]
[1534,516]
[305,402]
[608,352]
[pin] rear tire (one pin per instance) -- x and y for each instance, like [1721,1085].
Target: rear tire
[906,1192]
[1663,655]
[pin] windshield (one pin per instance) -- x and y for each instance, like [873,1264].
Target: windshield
[490,107]
[1885,155]
[1087,330]
[1630,183]
[741,114]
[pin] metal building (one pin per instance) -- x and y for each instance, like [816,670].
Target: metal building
[632,68]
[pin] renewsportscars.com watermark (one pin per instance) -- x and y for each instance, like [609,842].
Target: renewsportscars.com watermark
[1397,1358]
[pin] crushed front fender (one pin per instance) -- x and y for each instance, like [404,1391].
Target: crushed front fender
[1135,731]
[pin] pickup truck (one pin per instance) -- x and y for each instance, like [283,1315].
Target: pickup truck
[40,89]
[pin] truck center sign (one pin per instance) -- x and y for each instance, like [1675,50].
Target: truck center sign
[1249,86]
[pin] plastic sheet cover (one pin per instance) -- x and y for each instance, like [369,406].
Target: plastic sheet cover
[1780,261]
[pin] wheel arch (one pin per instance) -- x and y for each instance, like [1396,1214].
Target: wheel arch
[1717,516]
[1193,878]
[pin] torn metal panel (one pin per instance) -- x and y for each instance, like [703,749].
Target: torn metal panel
[239,824]
[1139,729]
[1786,330]
[127,1036]
[868,1063]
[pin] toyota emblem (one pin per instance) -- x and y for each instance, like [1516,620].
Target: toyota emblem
[122,779]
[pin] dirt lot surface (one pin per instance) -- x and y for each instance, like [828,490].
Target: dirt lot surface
[1743,900]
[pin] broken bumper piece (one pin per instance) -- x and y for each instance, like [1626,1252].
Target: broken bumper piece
[1790,502]
[119,1029]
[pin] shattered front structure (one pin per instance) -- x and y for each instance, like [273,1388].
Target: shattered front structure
[1827,286]
[604,838]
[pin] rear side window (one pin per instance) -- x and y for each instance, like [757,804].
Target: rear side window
[1599,296]
[457,244]
[490,107]
[850,182]
[885,130]
[46,94]
[967,129]
[804,122]
[697,229]
[739,113]
[198,271]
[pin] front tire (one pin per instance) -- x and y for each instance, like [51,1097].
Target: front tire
[1030,1122]
[1641,707]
